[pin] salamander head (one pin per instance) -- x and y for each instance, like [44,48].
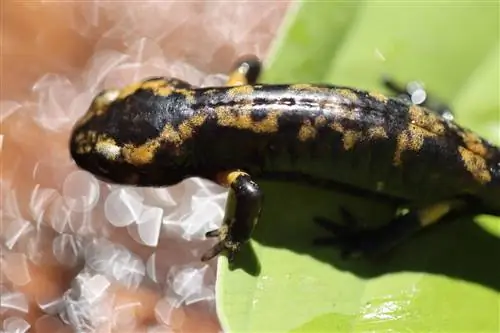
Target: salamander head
[90,145]
[123,138]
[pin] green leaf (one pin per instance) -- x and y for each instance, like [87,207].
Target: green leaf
[446,279]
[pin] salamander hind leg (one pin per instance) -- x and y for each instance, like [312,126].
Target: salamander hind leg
[354,242]
[246,70]
[242,212]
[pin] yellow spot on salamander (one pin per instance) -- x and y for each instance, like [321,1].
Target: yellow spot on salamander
[301,86]
[129,90]
[240,90]
[410,139]
[187,93]
[426,120]
[432,214]
[107,147]
[241,119]
[379,97]
[337,127]
[159,87]
[307,131]
[474,143]
[198,119]
[476,165]
[140,155]
[320,121]
[236,79]
[186,131]
[188,127]
[238,76]
[99,106]
[226,178]
[377,132]
[307,88]
[347,93]
[169,134]
[350,138]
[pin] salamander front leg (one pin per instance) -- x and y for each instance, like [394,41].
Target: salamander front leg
[369,243]
[245,71]
[242,213]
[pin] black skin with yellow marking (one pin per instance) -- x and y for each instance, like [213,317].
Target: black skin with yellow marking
[161,131]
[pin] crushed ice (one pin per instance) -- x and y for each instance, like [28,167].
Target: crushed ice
[80,191]
[15,325]
[85,305]
[13,300]
[74,220]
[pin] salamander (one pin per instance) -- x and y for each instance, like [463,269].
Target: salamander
[161,130]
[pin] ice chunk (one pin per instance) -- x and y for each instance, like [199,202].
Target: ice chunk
[165,196]
[15,325]
[115,261]
[122,207]
[129,270]
[38,246]
[86,306]
[40,200]
[172,227]
[51,305]
[207,214]
[205,294]
[102,64]
[124,317]
[80,104]
[67,249]
[59,215]
[202,188]
[55,94]
[80,191]
[14,230]
[187,282]
[14,301]
[99,254]
[151,268]
[149,224]
[170,315]
[93,288]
